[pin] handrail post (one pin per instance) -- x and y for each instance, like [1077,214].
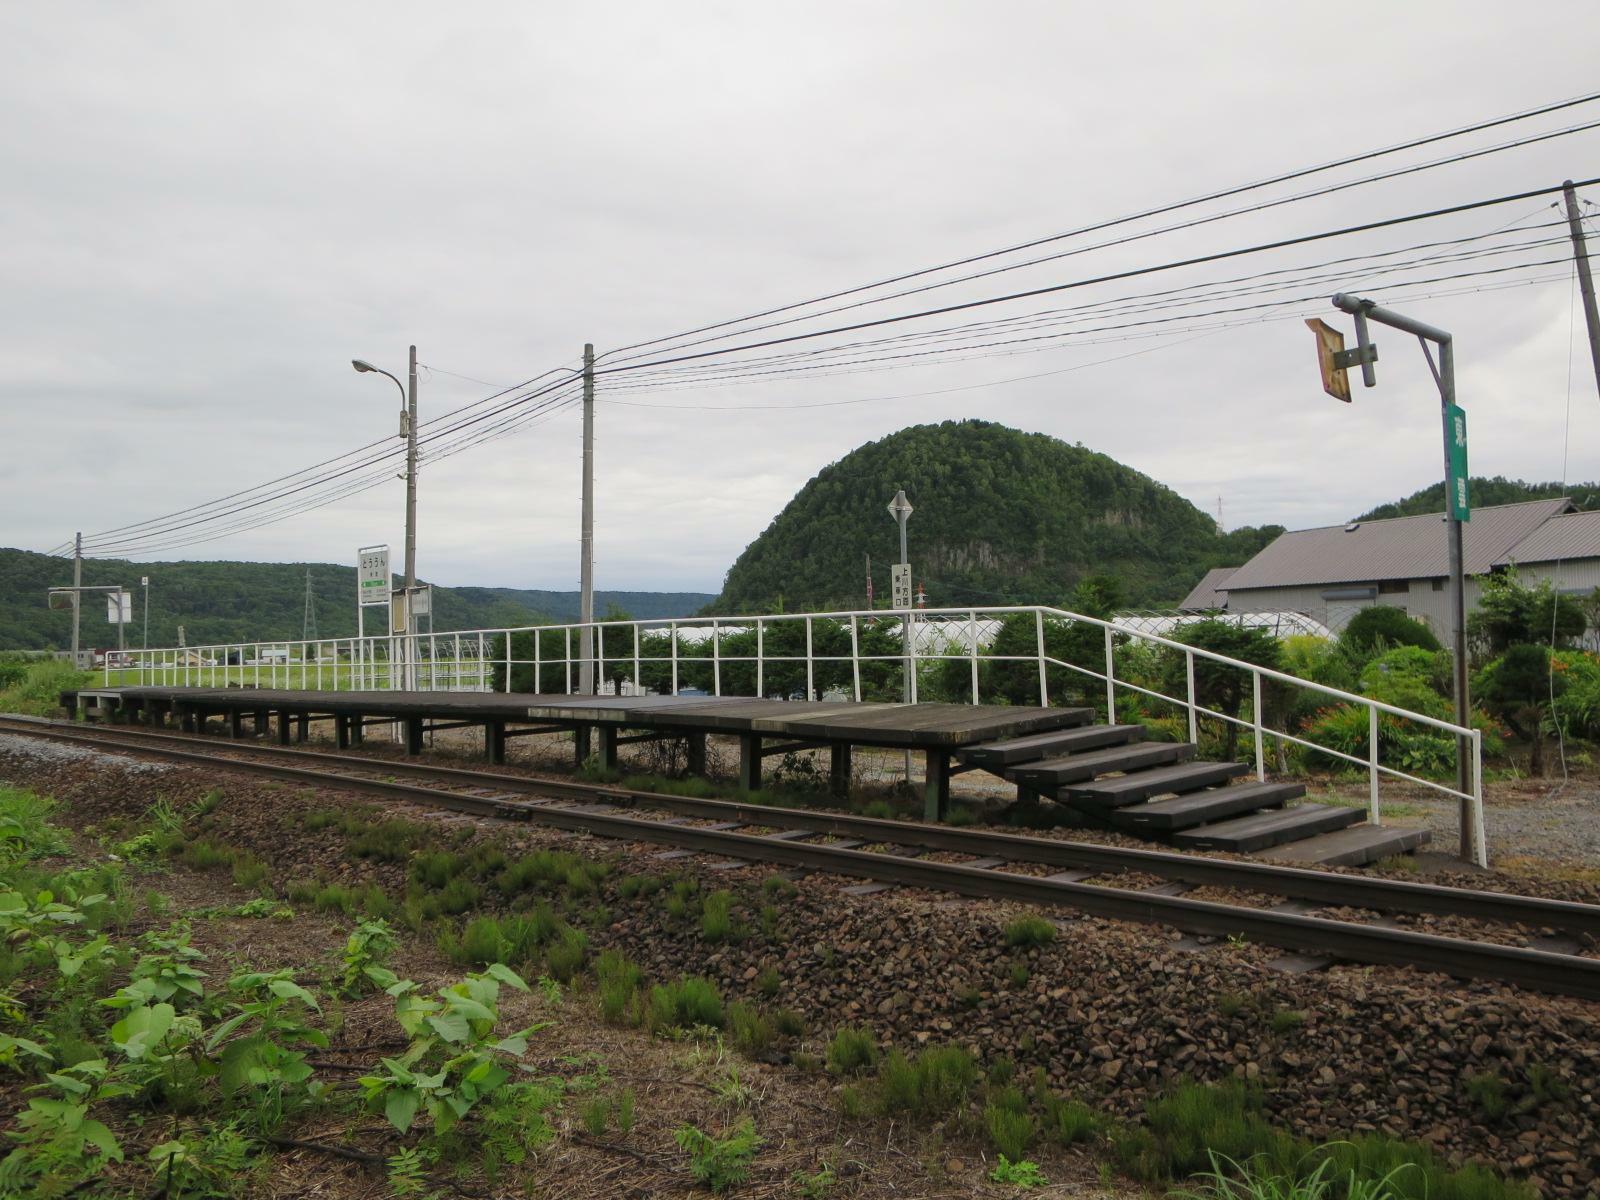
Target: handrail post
[1111,677]
[1372,765]
[1261,758]
[972,651]
[637,691]
[855,657]
[673,630]
[1044,685]
[761,659]
[1194,716]
[568,632]
[911,637]
[1480,843]
[811,686]
[538,664]
[716,660]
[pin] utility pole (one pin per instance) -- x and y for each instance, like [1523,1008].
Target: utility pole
[1580,255]
[411,522]
[1454,422]
[900,594]
[869,581]
[77,592]
[586,536]
[144,582]
[308,622]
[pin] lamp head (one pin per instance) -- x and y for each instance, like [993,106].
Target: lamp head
[362,365]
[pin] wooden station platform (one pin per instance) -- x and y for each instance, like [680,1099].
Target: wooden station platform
[763,727]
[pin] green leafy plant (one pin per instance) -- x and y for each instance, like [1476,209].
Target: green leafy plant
[365,951]
[1022,1174]
[719,1163]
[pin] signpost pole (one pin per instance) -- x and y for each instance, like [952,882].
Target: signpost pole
[900,594]
[1457,511]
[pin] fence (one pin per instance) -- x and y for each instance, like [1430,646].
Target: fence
[851,655]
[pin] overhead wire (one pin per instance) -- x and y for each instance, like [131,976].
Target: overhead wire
[1145,214]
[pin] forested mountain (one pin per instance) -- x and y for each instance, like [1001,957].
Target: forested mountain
[1485,492]
[227,601]
[1001,516]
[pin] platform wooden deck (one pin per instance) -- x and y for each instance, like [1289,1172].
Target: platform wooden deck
[763,727]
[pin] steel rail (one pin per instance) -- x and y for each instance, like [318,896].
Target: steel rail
[1561,974]
[1324,887]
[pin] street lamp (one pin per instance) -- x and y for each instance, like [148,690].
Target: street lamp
[408,430]
[900,596]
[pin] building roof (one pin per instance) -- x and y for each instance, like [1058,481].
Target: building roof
[1569,535]
[1205,593]
[1398,548]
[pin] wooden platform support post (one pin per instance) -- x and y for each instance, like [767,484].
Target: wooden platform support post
[494,742]
[358,729]
[302,727]
[235,723]
[261,724]
[284,720]
[696,753]
[341,731]
[413,735]
[839,768]
[187,720]
[936,785]
[608,747]
[749,762]
[582,743]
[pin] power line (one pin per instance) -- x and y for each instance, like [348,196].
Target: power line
[1160,210]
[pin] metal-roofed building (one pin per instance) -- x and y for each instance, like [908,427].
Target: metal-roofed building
[1333,572]
[1205,594]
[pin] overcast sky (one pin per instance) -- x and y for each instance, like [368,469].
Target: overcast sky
[207,210]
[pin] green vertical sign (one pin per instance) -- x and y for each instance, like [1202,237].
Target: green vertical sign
[1456,423]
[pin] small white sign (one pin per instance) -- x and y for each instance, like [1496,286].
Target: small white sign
[119,608]
[372,575]
[422,600]
[900,585]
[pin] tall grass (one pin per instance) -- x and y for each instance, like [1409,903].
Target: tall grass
[36,690]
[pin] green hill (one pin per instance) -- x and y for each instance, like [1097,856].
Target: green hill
[1002,516]
[1485,492]
[232,601]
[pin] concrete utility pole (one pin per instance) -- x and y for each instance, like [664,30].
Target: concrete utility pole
[77,592]
[1580,255]
[408,430]
[1456,511]
[144,582]
[586,672]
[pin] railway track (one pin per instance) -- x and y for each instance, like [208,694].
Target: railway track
[890,852]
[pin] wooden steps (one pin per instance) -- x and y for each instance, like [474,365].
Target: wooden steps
[1188,809]
[1122,791]
[1051,773]
[1050,745]
[1261,830]
[1352,847]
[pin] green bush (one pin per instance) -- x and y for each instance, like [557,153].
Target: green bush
[1029,931]
[716,917]
[852,1050]
[619,982]
[719,1163]
[934,1083]
[38,691]
[1381,626]
[683,1005]
[751,1032]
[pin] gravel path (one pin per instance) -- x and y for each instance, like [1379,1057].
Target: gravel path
[38,750]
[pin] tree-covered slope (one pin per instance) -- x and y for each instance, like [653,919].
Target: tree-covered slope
[236,601]
[1001,516]
[1485,493]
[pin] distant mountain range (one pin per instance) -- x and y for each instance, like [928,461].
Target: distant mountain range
[234,601]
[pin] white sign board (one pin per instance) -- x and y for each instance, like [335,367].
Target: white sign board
[119,608]
[372,575]
[900,585]
[422,600]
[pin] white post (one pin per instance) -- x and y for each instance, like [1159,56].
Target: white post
[1480,844]
[636,689]
[716,660]
[1372,765]
[855,658]
[1261,759]
[1044,685]
[673,630]
[811,686]
[972,651]
[761,659]
[1111,680]
[1194,719]
[600,657]
[569,659]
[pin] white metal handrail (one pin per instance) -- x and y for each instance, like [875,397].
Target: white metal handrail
[471,660]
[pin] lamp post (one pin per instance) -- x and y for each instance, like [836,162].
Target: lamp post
[900,593]
[408,430]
